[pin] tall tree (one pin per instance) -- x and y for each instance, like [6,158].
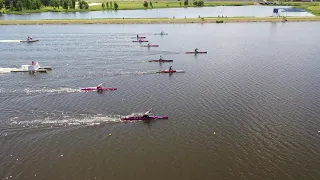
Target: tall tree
[7,4]
[72,4]
[19,5]
[115,5]
[1,4]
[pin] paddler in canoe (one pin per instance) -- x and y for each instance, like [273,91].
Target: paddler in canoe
[170,68]
[147,114]
[99,87]
[196,51]
[137,37]
[160,59]
[29,38]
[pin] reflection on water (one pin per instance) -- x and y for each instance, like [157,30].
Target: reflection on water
[226,11]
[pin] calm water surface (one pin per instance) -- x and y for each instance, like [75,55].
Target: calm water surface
[229,11]
[249,109]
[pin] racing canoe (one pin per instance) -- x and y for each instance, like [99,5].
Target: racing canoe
[30,41]
[171,71]
[136,118]
[96,89]
[199,52]
[161,34]
[140,41]
[163,60]
[151,45]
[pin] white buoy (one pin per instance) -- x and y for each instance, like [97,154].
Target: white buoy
[61,155]
[110,134]
[214,132]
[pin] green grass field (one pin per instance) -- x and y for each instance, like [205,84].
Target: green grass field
[312,7]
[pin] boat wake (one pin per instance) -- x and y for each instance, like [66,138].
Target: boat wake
[6,70]
[10,41]
[45,90]
[55,120]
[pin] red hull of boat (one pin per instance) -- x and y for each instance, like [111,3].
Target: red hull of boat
[137,118]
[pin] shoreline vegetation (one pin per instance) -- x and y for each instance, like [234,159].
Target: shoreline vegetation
[103,5]
[159,20]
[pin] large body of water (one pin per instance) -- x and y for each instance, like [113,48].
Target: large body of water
[249,109]
[229,11]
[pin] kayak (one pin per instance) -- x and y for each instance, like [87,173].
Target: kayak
[140,41]
[30,41]
[151,45]
[161,34]
[199,52]
[171,71]
[135,118]
[160,60]
[95,89]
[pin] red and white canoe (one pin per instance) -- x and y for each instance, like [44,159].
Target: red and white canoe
[150,45]
[96,89]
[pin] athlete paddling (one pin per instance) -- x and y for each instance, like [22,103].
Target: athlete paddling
[147,114]
[196,51]
[170,68]
[99,87]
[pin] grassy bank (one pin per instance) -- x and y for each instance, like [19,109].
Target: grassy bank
[156,20]
[312,7]
[131,5]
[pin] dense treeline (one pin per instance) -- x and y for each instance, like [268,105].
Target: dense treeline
[19,5]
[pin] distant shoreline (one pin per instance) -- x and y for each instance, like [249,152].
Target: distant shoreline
[158,20]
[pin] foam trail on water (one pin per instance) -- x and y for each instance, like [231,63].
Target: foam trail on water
[6,70]
[9,41]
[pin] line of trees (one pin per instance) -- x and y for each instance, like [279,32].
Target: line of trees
[19,5]
[109,5]
[195,2]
